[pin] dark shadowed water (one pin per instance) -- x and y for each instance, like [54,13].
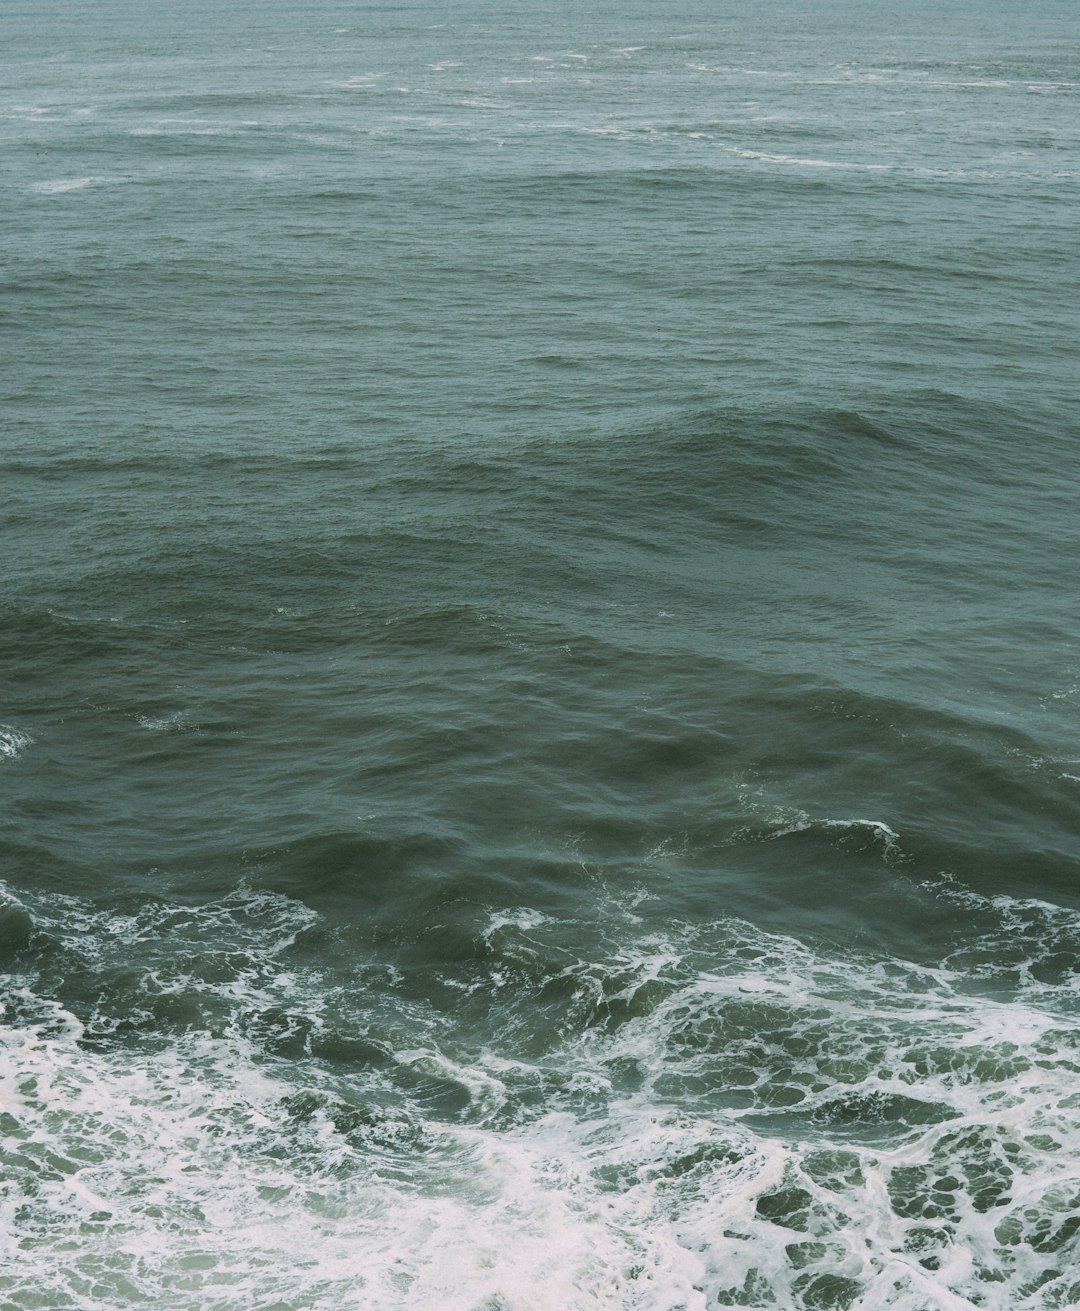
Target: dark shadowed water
[539,677]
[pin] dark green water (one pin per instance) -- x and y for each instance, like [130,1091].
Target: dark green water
[539,689]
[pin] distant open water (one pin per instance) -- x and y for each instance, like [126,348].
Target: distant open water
[540,704]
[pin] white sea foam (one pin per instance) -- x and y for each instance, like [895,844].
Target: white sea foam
[13,742]
[58,185]
[194,1173]
[876,827]
[783,821]
[730,1116]
[177,721]
[772,157]
[968,1098]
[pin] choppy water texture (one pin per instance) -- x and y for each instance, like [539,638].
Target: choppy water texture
[539,721]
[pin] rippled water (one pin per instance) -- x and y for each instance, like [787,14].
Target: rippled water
[538,728]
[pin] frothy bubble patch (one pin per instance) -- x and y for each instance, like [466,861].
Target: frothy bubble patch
[784,821]
[177,721]
[196,1110]
[839,1131]
[13,742]
[59,185]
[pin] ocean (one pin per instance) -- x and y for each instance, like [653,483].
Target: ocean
[539,669]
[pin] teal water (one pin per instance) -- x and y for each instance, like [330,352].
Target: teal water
[539,697]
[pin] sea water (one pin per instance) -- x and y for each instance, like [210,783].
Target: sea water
[540,704]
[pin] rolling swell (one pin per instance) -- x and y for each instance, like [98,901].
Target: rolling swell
[613,635]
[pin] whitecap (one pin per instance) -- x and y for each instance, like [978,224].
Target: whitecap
[772,157]
[175,722]
[59,185]
[13,742]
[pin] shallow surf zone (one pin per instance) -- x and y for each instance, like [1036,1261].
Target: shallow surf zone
[199,1110]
